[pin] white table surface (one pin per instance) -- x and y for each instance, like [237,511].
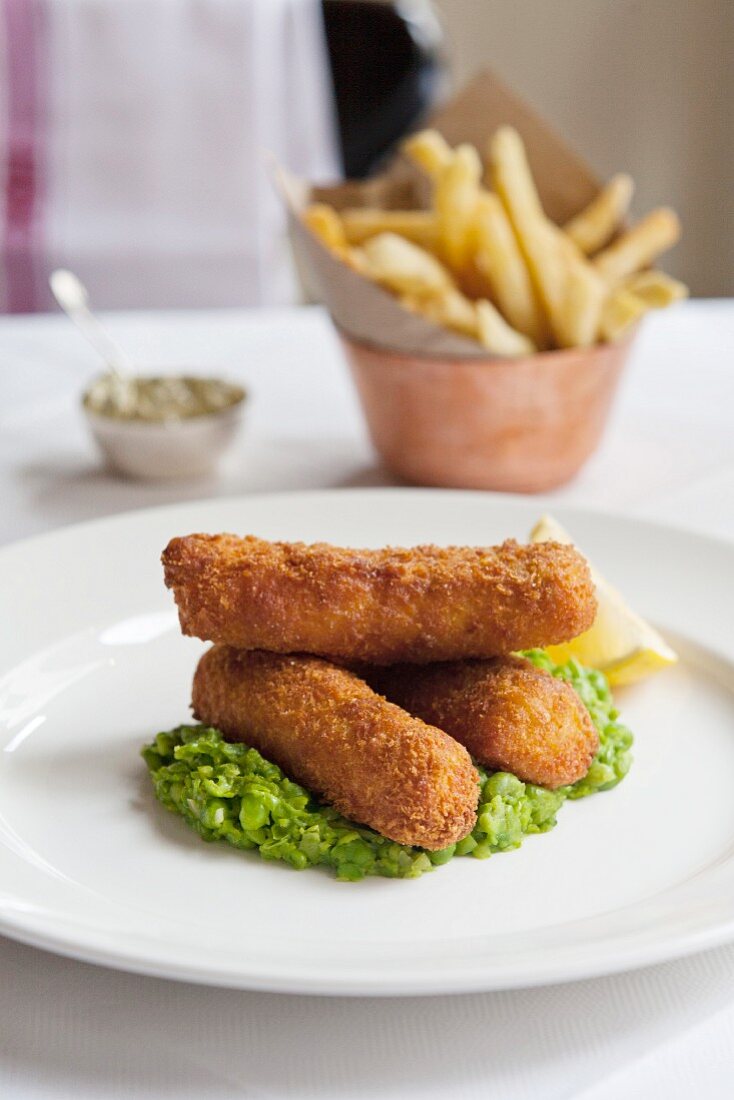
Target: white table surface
[69,1029]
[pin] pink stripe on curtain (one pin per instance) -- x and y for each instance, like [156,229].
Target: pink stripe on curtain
[24,25]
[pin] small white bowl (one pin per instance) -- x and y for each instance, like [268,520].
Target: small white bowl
[170,449]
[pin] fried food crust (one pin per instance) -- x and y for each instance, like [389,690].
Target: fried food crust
[510,715]
[329,731]
[422,604]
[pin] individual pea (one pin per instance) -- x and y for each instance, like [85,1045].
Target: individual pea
[354,851]
[420,864]
[543,804]
[598,774]
[402,856]
[282,849]
[253,814]
[213,813]
[163,745]
[503,784]
[310,845]
[296,859]
[349,872]
[221,786]
[442,856]
[175,793]
[347,837]
[465,846]
[236,837]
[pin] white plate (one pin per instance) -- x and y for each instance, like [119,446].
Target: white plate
[92,664]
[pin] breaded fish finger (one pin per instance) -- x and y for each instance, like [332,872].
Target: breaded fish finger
[386,606]
[510,715]
[329,731]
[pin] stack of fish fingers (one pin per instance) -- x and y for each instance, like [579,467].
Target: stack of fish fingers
[376,677]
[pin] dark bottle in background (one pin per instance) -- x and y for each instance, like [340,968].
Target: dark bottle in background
[387,73]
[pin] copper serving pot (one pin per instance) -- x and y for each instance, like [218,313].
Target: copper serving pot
[514,425]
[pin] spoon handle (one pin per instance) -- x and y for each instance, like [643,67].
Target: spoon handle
[100,339]
[71,294]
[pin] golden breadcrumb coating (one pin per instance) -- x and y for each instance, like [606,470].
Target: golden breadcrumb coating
[329,731]
[386,606]
[510,715]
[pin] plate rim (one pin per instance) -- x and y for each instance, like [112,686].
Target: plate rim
[309,984]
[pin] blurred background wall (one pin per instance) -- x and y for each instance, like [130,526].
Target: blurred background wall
[645,86]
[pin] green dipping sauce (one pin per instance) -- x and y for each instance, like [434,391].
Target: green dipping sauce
[227,791]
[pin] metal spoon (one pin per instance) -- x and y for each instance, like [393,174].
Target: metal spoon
[72,296]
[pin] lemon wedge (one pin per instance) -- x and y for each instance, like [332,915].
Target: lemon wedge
[619,643]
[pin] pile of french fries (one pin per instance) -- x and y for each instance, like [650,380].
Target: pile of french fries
[485,260]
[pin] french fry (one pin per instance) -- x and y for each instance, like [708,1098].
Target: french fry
[429,150]
[569,249]
[579,312]
[499,259]
[539,240]
[622,310]
[639,246]
[324,221]
[548,263]
[418,226]
[449,308]
[355,258]
[455,202]
[656,288]
[511,174]
[594,226]
[492,266]
[403,267]
[497,336]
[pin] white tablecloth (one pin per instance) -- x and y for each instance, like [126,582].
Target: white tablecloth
[71,1029]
